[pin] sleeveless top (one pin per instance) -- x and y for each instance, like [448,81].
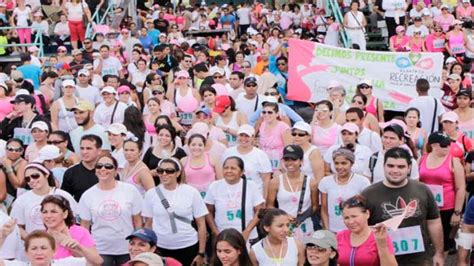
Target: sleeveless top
[132,179]
[232,140]
[443,176]
[372,107]
[290,258]
[186,119]
[178,97]
[456,43]
[306,166]
[416,47]
[200,177]
[355,20]
[323,138]
[66,120]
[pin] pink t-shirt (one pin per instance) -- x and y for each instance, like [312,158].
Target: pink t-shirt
[323,138]
[435,44]
[365,254]
[272,142]
[444,22]
[82,236]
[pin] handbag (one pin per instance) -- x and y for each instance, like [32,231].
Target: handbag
[360,25]
[85,20]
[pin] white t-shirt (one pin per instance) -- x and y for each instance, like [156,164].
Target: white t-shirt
[426,106]
[69,261]
[379,174]
[370,139]
[256,162]
[26,209]
[103,113]
[362,156]
[244,15]
[110,213]
[89,93]
[186,202]
[120,157]
[246,106]
[22,16]
[337,193]
[96,129]
[227,201]
[12,246]
[110,66]
[424,30]
[75,11]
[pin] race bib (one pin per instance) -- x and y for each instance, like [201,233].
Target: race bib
[234,214]
[186,118]
[438,44]
[24,134]
[437,194]
[231,139]
[457,49]
[337,210]
[407,240]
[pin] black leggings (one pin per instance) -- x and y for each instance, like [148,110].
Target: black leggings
[183,255]
[391,25]
[112,260]
[445,221]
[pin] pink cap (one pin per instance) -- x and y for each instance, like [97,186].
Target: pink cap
[394,121]
[351,127]
[62,48]
[123,88]
[399,29]
[182,73]
[450,116]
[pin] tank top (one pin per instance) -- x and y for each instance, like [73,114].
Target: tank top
[467,128]
[416,47]
[178,97]
[186,119]
[323,138]
[150,127]
[66,120]
[306,166]
[290,258]
[288,201]
[372,107]
[456,43]
[200,177]
[231,139]
[441,182]
[132,179]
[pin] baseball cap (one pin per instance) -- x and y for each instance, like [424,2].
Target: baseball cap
[84,72]
[464,93]
[117,129]
[23,98]
[250,80]
[76,51]
[4,85]
[204,109]
[217,71]
[41,125]
[253,42]
[200,128]
[457,22]
[417,18]
[48,152]
[83,106]
[247,130]
[366,82]
[351,127]
[68,82]
[123,88]
[444,6]
[63,48]
[222,103]
[450,116]
[399,28]
[182,73]
[108,89]
[144,234]
[450,60]
[454,76]
[33,49]
[323,239]
[16,75]
[148,258]
[440,138]
[269,99]
[303,126]
[293,152]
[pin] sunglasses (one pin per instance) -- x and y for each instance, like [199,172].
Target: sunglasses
[294,134]
[168,171]
[32,176]
[444,145]
[188,61]
[270,93]
[251,85]
[107,166]
[316,248]
[218,77]
[352,202]
[364,87]
[11,149]
[438,30]
[54,142]
[286,159]
[156,92]
[267,112]
[358,102]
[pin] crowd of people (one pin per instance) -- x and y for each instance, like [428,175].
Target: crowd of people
[150,146]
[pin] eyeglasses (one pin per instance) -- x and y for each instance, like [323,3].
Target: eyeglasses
[358,102]
[11,149]
[316,248]
[168,171]
[156,92]
[107,166]
[294,134]
[218,77]
[267,112]
[32,176]
[417,33]
[438,30]
[270,93]
[54,142]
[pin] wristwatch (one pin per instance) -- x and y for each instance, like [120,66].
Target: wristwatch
[202,254]
[457,213]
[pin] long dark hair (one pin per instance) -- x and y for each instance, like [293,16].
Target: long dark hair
[236,240]
[133,121]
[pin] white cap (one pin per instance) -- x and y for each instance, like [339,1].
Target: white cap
[450,116]
[22,92]
[450,60]
[48,152]
[41,125]
[303,126]
[83,72]
[117,129]
[351,127]
[200,128]
[247,130]
[269,99]
[108,89]
[366,81]
[68,82]
[217,70]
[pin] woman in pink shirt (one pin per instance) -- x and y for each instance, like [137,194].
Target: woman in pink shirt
[325,130]
[359,244]
[71,239]
[445,19]
[274,134]
[464,11]
[435,42]
[5,106]
[399,42]
[460,144]
[444,175]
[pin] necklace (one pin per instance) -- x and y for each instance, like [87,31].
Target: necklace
[278,260]
[294,198]
[232,198]
[347,182]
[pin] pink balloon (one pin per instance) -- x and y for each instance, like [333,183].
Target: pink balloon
[188,104]
[220,89]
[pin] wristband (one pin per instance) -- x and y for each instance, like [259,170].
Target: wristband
[458,213]
[201,254]
[8,171]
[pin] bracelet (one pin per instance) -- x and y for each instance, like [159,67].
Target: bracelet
[8,170]
[201,254]
[457,213]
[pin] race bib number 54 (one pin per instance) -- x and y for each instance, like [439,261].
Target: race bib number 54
[407,240]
